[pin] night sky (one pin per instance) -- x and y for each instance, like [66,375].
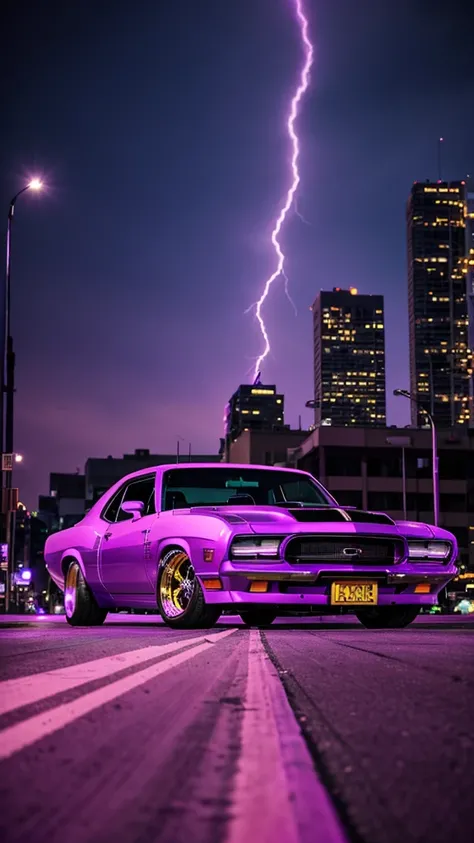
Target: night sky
[159,129]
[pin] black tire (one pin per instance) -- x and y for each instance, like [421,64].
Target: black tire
[188,610]
[388,617]
[259,616]
[79,603]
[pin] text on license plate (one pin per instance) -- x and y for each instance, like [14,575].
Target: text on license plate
[354,593]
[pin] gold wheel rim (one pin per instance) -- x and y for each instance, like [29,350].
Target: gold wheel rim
[177,585]
[70,591]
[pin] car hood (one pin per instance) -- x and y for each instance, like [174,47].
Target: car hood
[324,519]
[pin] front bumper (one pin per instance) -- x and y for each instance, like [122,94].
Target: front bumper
[310,585]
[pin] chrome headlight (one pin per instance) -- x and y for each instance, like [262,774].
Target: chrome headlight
[434,551]
[255,547]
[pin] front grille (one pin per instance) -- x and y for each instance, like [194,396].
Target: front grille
[350,550]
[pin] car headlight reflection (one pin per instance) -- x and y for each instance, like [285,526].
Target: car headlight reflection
[437,551]
[255,547]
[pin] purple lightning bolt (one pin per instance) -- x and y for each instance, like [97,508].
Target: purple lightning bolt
[290,196]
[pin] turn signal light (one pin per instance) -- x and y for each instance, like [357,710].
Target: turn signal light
[212,585]
[423,588]
[259,586]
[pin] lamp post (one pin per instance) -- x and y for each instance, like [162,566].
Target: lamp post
[402,442]
[430,366]
[7,392]
[405,394]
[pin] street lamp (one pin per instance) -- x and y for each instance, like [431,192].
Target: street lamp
[7,391]
[316,404]
[405,394]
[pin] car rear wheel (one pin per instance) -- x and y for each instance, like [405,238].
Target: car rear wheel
[79,603]
[260,616]
[180,596]
[388,617]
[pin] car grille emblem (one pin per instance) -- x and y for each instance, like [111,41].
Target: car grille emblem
[352,551]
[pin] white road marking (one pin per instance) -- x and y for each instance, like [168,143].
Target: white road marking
[27,732]
[15,693]
[277,793]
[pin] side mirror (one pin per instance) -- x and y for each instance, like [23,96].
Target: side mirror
[134,508]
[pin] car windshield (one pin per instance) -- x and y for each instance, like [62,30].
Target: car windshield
[183,487]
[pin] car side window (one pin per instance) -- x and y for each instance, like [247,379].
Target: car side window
[111,510]
[142,489]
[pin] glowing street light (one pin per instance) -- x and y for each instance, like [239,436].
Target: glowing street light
[18,457]
[35,184]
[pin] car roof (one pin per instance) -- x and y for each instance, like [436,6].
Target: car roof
[144,472]
[219,466]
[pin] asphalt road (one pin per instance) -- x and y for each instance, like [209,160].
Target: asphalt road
[310,732]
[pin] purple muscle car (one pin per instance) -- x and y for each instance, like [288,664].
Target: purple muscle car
[194,540]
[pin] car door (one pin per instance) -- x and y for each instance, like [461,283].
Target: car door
[123,548]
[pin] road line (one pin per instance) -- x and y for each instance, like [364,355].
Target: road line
[277,794]
[15,693]
[28,732]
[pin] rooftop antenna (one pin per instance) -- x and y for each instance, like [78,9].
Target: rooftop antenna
[258,379]
[440,141]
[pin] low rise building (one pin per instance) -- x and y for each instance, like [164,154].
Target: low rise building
[391,469]
[265,447]
[388,469]
[101,474]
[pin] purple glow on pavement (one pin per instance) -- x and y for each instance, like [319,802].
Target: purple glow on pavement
[290,196]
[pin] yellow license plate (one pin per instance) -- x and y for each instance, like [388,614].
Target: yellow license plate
[354,593]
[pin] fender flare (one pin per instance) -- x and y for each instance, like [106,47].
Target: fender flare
[168,544]
[70,555]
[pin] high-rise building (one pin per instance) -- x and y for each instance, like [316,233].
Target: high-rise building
[470,295]
[437,300]
[254,407]
[349,359]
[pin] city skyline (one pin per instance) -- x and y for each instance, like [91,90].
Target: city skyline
[121,243]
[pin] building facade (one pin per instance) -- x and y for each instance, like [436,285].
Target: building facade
[349,359]
[265,447]
[253,407]
[387,469]
[470,295]
[68,491]
[437,301]
[102,473]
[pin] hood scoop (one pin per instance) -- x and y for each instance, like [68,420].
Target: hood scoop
[230,517]
[328,514]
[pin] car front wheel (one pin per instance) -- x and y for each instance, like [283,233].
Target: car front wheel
[259,616]
[79,603]
[180,596]
[388,617]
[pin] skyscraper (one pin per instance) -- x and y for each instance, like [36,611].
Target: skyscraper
[349,359]
[437,300]
[254,407]
[470,295]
